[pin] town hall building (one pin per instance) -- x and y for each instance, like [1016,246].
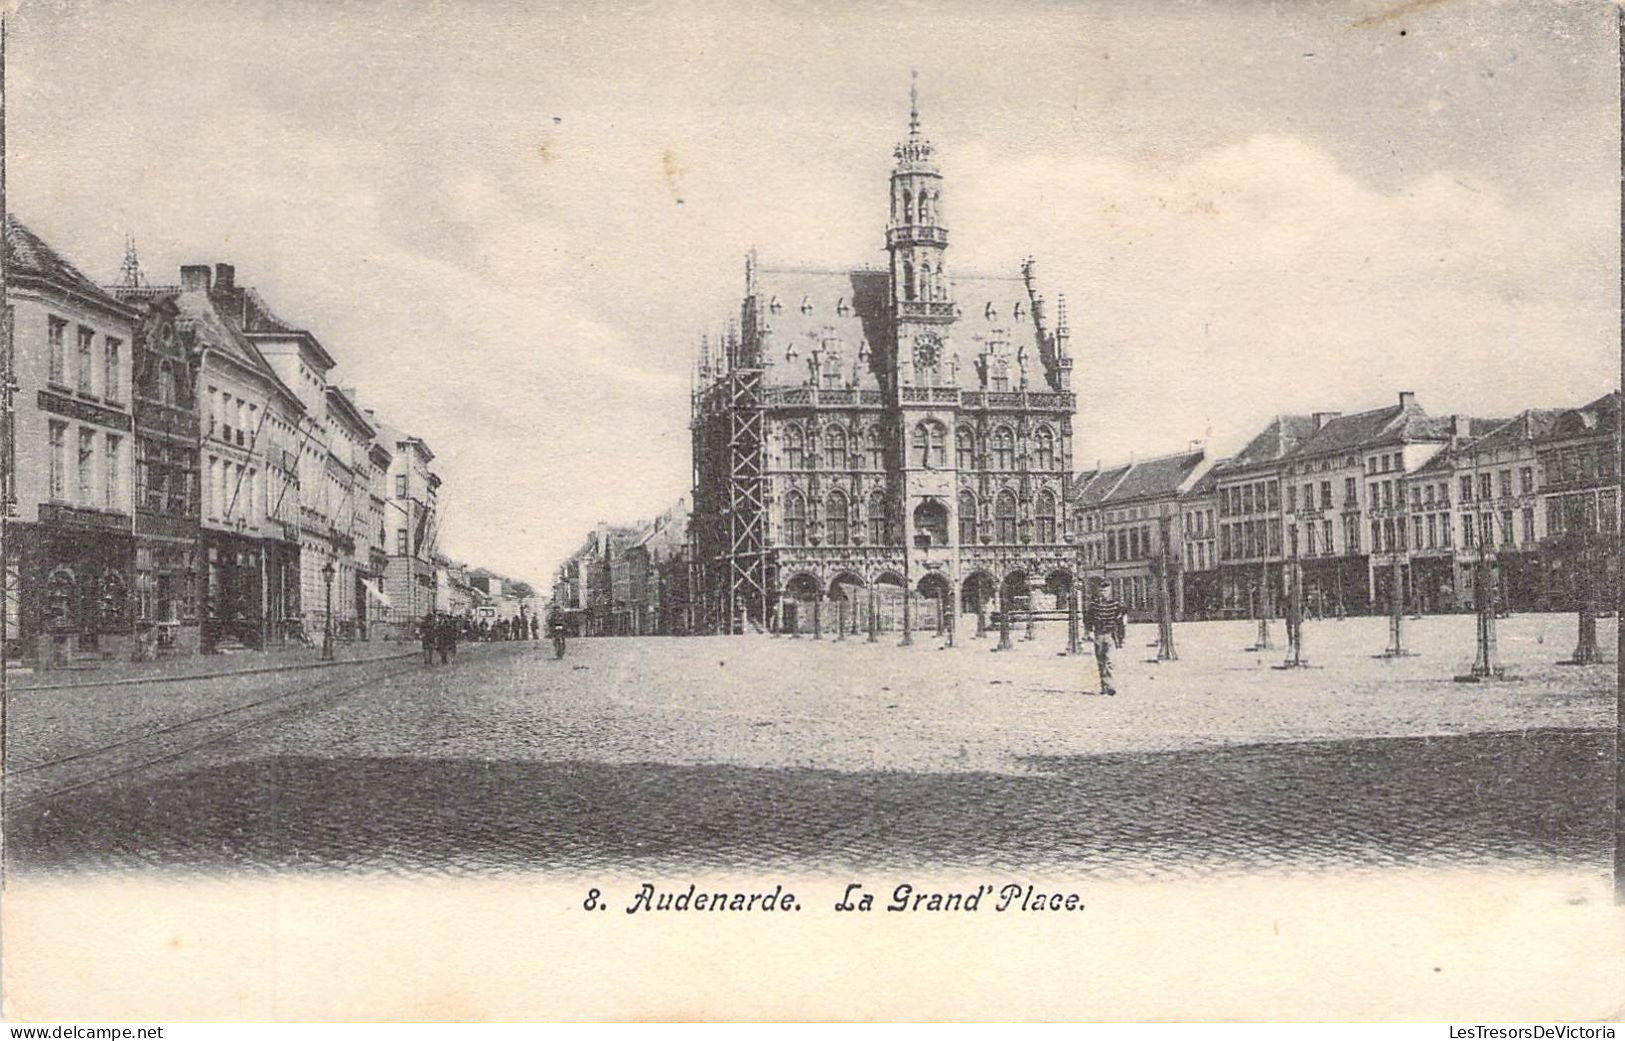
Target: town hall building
[868,430]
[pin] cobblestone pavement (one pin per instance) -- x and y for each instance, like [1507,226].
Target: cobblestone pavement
[200,666]
[753,752]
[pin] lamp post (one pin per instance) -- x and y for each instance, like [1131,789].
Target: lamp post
[327,623]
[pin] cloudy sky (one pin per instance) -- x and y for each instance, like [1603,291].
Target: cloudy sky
[510,221]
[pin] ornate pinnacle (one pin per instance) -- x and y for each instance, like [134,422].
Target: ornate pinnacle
[913,103]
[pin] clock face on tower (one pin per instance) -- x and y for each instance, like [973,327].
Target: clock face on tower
[927,350]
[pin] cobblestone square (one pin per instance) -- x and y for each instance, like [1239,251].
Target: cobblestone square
[755,752]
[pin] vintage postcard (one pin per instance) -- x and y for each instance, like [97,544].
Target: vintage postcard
[811,511]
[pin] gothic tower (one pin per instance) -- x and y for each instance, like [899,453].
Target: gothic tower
[915,235]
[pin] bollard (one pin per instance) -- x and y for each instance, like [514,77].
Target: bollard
[908,619]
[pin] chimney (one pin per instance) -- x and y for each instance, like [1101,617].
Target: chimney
[1407,399]
[195,277]
[225,277]
[1461,427]
[1320,419]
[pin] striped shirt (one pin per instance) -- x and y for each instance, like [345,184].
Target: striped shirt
[1103,615]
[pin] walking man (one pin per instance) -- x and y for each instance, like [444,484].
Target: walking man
[1104,618]
[429,627]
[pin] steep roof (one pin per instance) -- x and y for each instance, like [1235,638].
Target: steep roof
[1156,478]
[30,257]
[1208,483]
[1592,419]
[200,311]
[1094,489]
[1528,425]
[1282,436]
[667,532]
[1393,424]
[802,310]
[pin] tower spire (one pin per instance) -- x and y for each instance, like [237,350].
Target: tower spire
[130,270]
[913,102]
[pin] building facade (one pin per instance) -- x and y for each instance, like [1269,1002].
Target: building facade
[1250,519]
[71,553]
[906,427]
[168,485]
[411,527]
[1133,526]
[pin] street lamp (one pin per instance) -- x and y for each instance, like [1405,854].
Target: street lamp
[327,624]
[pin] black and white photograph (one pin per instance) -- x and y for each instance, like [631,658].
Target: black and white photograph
[961,511]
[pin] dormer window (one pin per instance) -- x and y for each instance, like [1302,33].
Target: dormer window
[989,312]
[1018,311]
[842,308]
[774,306]
[806,306]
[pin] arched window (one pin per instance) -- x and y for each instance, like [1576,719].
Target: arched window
[930,524]
[1001,375]
[967,519]
[908,281]
[879,519]
[908,206]
[1004,514]
[62,600]
[1044,449]
[795,520]
[795,448]
[1004,449]
[925,208]
[836,519]
[875,448]
[835,438]
[964,448]
[166,383]
[1045,517]
[931,444]
[925,280]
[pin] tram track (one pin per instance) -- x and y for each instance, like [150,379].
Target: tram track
[135,753]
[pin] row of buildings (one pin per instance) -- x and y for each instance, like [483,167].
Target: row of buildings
[185,471]
[905,427]
[1352,500]
[1357,500]
[629,580]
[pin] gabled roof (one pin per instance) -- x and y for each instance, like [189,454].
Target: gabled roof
[29,257]
[1592,419]
[1527,425]
[201,312]
[1156,478]
[1282,436]
[1093,489]
[1208,483]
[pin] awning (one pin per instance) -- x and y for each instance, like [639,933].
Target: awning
[376,593]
